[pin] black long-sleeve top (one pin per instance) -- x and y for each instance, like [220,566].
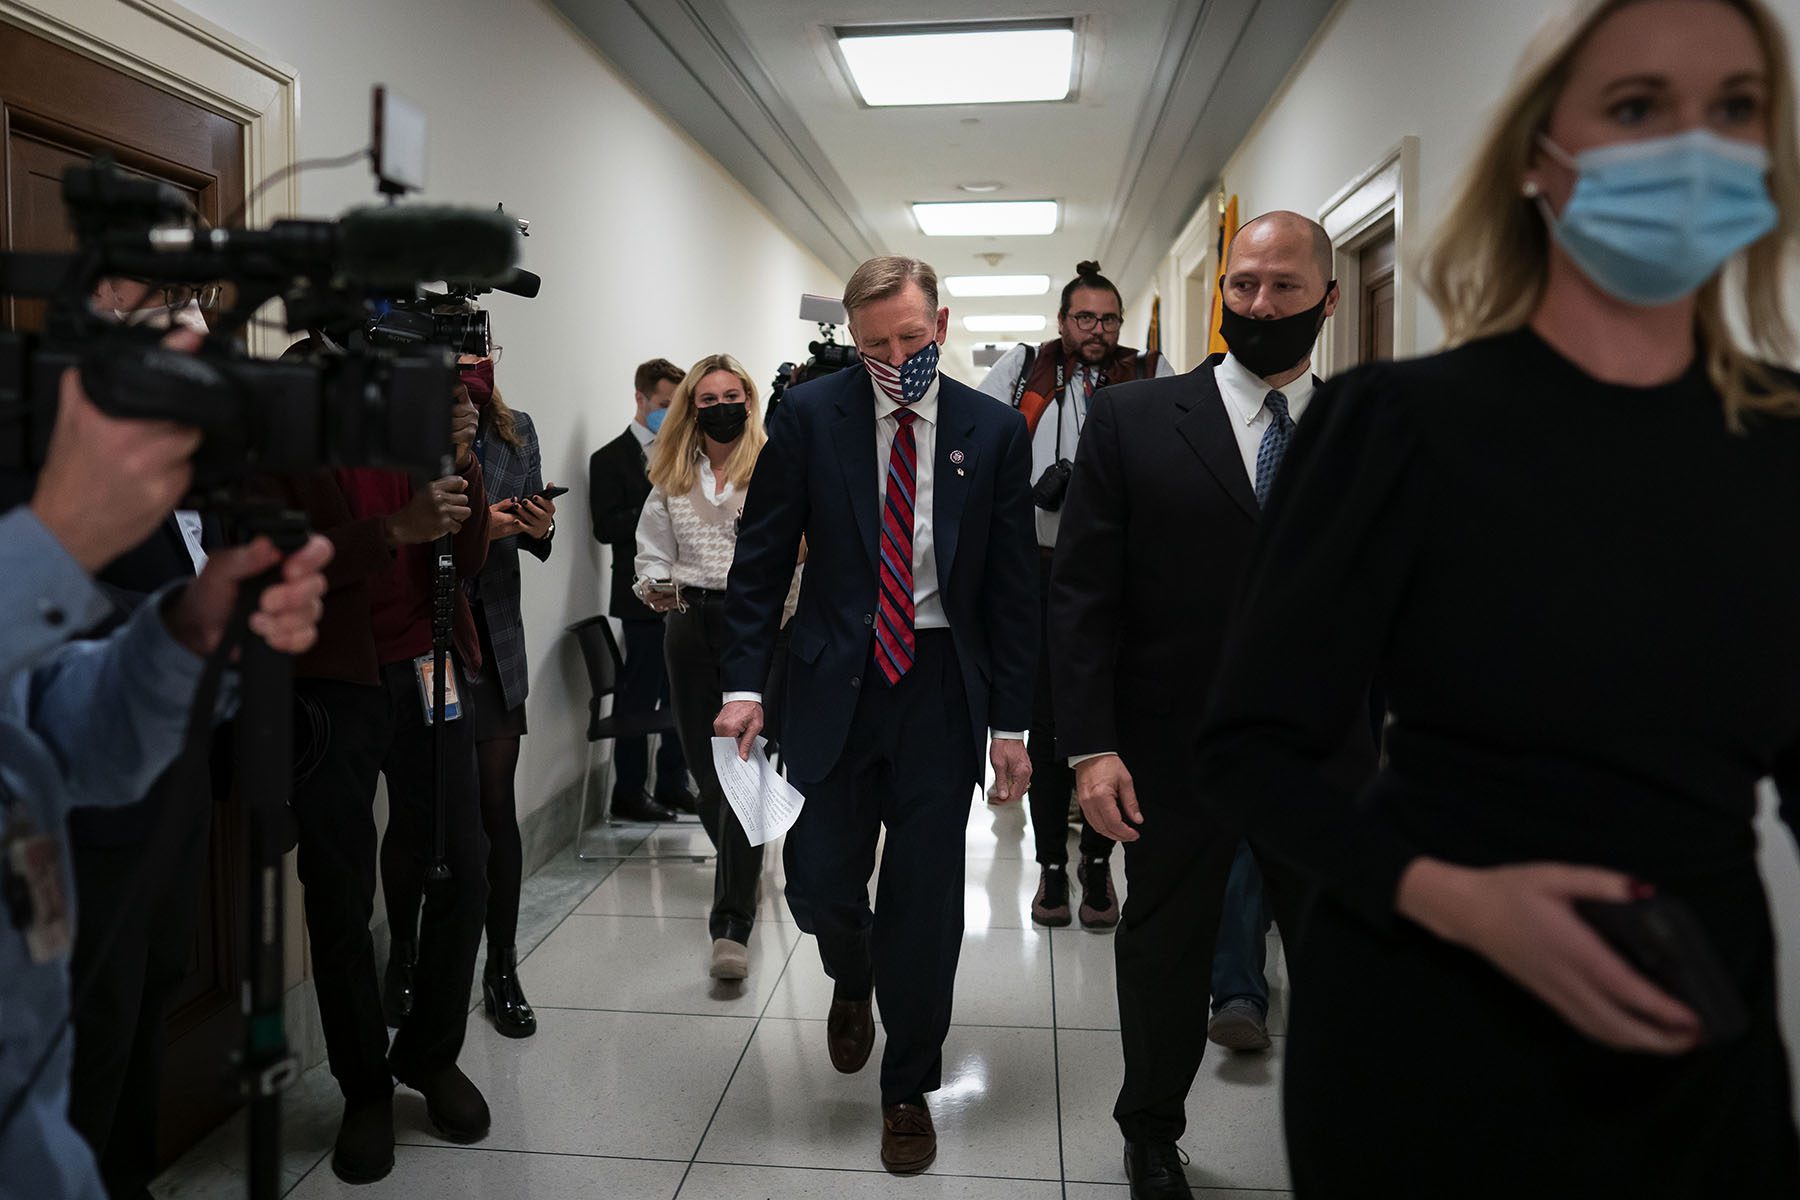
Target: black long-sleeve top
[1582,599]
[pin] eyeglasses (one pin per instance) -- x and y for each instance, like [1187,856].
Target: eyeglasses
[174,296]
[1085,321]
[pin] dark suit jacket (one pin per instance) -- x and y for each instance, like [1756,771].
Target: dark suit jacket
[509,474]
[618,485]
[818,478]
[1155,537]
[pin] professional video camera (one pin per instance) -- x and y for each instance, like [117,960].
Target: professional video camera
[450,318]
[383,404]
[828,354]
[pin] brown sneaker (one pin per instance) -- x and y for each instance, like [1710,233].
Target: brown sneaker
[850,1034]
[730,960]
[908,1141]
[1099,903]
[1051,904]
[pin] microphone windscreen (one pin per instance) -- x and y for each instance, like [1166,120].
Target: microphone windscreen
[400,245]
[520,283]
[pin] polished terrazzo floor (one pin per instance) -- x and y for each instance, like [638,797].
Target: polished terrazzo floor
[646,1079]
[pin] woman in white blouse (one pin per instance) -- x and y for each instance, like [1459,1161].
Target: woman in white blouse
[699,471]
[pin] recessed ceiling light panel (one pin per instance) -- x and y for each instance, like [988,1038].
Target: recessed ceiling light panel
[959,64]
[987,218]
[997,285]
[1012,323]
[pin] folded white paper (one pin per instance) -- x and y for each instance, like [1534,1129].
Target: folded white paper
[766,804]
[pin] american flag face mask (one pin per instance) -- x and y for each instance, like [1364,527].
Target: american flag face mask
[906,384]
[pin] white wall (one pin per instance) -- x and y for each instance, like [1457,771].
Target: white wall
[1379,70]
[646,246]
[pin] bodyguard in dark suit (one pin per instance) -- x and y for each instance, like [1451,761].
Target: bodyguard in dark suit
[1156,532]
[915,639]
[618,485]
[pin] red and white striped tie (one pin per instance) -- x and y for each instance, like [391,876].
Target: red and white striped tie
[894,643]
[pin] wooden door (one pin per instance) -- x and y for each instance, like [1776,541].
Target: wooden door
[1375,341]
[56,109]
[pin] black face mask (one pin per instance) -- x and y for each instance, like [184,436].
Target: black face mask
[1271,347]
[723,422]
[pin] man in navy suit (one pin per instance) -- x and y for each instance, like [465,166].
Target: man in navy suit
[914,643]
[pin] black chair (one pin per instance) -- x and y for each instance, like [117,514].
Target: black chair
[600,654]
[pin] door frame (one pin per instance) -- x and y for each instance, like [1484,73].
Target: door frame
[169,47]
[1360,212]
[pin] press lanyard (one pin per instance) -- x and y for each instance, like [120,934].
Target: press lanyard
[1061,385]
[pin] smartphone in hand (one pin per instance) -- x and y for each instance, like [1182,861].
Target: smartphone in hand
[1663,939]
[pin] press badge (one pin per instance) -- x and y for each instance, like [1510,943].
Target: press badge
[425,669]
[35,890]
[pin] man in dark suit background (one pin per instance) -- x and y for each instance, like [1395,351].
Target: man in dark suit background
[1152,546]
[618,484]
[915,639]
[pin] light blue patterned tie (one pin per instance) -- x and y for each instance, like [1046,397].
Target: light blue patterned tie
[1274,445]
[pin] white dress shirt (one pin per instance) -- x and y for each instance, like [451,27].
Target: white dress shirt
[188,521]
[928,600]
[642,433]
[1046,446]
[928,605]
[1245,394]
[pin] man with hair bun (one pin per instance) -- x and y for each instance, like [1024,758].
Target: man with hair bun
[1051,385]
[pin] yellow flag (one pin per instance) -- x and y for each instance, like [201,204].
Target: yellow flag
[1228,224]
[1153,339]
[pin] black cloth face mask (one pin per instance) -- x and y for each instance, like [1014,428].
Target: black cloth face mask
[723,422]
[1268,348]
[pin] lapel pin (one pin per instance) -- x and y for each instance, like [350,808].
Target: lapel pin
[956,456]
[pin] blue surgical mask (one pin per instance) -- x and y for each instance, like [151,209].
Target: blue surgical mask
[654,418]
[1651,221]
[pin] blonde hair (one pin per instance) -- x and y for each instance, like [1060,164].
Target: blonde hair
[886,276]
[675,463]
[1487,266]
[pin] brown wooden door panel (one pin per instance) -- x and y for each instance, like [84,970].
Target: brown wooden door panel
[57,108]
[1375,305]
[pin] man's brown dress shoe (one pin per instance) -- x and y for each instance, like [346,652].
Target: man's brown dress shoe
[850,1034]
[908,1141]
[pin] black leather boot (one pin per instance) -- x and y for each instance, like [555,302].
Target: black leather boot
[502,997]
[397,988]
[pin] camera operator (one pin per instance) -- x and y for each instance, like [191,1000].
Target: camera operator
[118,1023]
[365,685]
[94,723]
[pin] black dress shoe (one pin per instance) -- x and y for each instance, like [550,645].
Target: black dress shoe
[502,997]
[397,988]
[683,801]
[1155,1171]
[635,806]
[455,1105]
[364,1151]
